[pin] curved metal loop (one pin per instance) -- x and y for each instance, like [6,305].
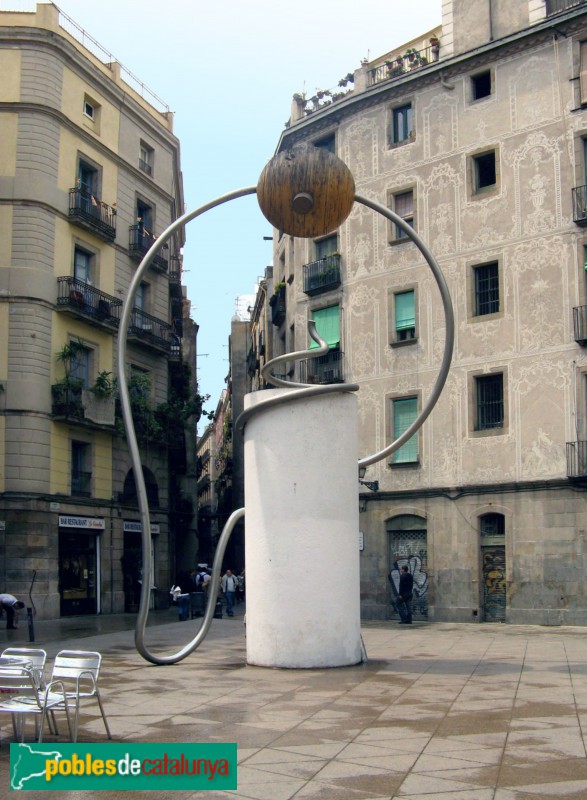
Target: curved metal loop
[132,439]
[267,374]
[449,333]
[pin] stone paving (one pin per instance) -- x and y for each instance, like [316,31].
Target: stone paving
[456,712]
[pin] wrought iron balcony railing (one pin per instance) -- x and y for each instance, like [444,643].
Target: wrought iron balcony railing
[580,205]
[74,403]
[580,325]
[277,303]
[322,275]
[323,369]
[398,64]
[92,214]
[577,460]
[140,241]
[148,330]
[88,302]
[556,6]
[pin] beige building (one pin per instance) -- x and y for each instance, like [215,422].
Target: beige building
[475,135]
[89,176]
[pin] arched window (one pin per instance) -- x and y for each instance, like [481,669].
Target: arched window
[130,491]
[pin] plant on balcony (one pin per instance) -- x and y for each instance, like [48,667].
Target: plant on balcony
[104,385]
[66,393]
[411,54]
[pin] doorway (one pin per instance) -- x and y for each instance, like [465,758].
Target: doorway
[77,573]
[408,546]
[493,567]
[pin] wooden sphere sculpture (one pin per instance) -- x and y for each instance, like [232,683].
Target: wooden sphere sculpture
[306,191]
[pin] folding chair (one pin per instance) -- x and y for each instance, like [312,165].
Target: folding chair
[78,670]
[20,696]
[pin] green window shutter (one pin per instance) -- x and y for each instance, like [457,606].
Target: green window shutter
[328,326]
[405,312]
[405,412]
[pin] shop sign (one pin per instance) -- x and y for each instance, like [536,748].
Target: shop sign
[361,540]
[82,523]
[134,526]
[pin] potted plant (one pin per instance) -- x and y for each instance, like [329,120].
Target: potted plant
[104,385]
[411,54]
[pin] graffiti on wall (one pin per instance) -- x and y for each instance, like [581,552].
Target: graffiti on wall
[494,589]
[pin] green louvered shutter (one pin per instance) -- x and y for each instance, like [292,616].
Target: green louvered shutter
[405,313]
[328,326]
[405,412]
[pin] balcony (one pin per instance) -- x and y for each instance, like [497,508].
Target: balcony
[92,214]
[175,278]
[323,369]
[88,303]
[72,403]
[149,331]
[139,243]
[252,361]
[323,275]
[580,205]
[395,65]
[277,303]
[577,460]
[557,6]
[580,325]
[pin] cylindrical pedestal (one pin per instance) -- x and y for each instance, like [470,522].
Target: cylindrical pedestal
[302,532]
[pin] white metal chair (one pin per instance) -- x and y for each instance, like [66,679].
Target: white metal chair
[36,657]
[20,696]
[79,670]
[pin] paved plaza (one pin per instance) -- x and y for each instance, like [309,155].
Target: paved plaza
[457,712]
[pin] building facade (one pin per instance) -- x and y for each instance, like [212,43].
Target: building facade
[475,135]
[89,176]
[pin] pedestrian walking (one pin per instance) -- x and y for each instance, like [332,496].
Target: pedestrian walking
[229,584]
[404,597]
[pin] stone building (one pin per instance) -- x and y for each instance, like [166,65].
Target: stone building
[89,176]
[474,134]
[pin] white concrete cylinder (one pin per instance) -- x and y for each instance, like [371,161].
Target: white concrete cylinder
[302,532]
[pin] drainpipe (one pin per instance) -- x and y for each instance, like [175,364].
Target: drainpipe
[490,20]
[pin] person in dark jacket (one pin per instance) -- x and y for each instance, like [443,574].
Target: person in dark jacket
[404,597]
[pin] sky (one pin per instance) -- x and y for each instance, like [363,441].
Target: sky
[228,70]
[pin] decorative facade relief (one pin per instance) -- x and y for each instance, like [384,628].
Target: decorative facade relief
[480,219]
[540,288]
[536,167]
[441,196]
[440,120]
[533,91]
[361,148]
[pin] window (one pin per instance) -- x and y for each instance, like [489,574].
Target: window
[481,85]
[492,525]
[146,158]
[403,205]
[405,411]
[87,178]
[401,124]
[328,326]
[326,247]
[404,314]
[91,113]
[486,289]
[484,171]
[81,475]
[81,367]
[82,265]
[490,405]
[327,143]
[89,109]
[145,218]
[141,297]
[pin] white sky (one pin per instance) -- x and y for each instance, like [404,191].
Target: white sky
[228,69]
